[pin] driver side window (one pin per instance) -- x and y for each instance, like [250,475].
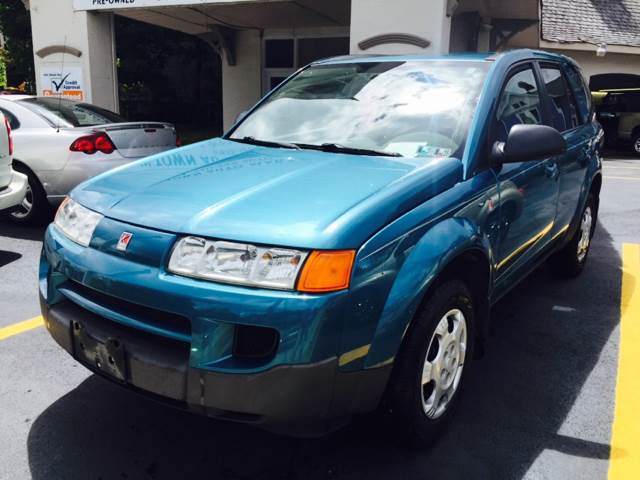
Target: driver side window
[519,103]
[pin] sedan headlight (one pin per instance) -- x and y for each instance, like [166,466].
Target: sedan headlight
[77,222]
[239,263]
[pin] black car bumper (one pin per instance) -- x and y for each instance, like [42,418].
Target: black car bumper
[307,399]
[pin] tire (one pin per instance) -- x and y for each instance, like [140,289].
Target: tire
[35,207]
[570,261]
[635,143]
[413,407]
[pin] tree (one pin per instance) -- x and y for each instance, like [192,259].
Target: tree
[17,53]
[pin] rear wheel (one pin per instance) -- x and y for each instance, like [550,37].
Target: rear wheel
[34,206]
[431,367]
[570,261]
[635,143]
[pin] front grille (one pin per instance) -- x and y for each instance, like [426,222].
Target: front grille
[151,316]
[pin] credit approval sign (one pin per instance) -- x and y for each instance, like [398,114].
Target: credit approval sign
[67,82]
[117,4]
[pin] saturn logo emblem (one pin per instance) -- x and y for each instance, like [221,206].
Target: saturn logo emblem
[123,243]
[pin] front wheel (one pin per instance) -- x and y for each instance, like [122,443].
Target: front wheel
[570,261]
[431,367]
[34,206]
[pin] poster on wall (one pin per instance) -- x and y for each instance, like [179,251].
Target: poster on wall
[66,81]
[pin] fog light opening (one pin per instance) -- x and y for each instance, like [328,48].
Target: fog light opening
[255,342]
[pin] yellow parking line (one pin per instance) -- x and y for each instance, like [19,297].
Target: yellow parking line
[625,439]
[16,328]
[621,178]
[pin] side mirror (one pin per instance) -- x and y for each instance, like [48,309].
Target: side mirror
[528,142]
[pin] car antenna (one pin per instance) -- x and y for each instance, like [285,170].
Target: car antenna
[64,49]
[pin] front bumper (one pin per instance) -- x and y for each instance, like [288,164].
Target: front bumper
[15,191]
[300,390]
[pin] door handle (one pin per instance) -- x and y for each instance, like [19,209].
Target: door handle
[551,169]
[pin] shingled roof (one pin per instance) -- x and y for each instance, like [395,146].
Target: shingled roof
[614,22]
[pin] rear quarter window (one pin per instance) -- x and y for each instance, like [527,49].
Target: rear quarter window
[580,91]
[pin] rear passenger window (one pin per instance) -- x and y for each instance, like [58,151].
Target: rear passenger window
[519,103]
[564,112]
[581,92]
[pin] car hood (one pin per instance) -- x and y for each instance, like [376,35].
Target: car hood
[300,198]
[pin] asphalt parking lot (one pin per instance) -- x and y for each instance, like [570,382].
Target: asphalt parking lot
[540,404]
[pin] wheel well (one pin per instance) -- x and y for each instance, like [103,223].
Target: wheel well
[596,185]
[473,268]
[23,167]
[635,131]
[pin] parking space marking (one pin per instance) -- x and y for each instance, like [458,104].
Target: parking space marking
[621,178]
[16,328]
[625,446]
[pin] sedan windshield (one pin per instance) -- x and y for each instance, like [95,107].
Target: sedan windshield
[67,113]
[409,109]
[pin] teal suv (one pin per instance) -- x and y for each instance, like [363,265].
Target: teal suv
[339,248]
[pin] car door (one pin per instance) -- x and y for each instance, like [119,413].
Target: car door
[566,117]
[528,190]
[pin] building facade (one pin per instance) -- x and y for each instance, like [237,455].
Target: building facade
[261,42]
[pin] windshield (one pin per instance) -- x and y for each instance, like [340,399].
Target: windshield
[60,112]
[412,109]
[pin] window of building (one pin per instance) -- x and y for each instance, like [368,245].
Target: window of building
[283,56]
[278,53]
[519,103]
[564,112]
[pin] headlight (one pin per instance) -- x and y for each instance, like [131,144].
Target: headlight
[76,221]
[239,263]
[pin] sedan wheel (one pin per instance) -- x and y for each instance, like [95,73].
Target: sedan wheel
[34,207]
[23,210]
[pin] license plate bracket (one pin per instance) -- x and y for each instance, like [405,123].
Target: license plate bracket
[106,356]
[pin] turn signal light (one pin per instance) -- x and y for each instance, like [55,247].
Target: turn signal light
[327,271]
[90,144]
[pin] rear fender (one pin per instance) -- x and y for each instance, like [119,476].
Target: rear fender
[428,258]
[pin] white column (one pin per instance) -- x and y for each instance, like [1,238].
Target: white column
[241,83]
[55,23]
[424,18]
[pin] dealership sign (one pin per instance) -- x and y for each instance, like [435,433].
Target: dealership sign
[58,81]
[114,4]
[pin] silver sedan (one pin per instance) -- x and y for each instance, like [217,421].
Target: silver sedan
[59,143]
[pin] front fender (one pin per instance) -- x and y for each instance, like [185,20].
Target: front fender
[427,258]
